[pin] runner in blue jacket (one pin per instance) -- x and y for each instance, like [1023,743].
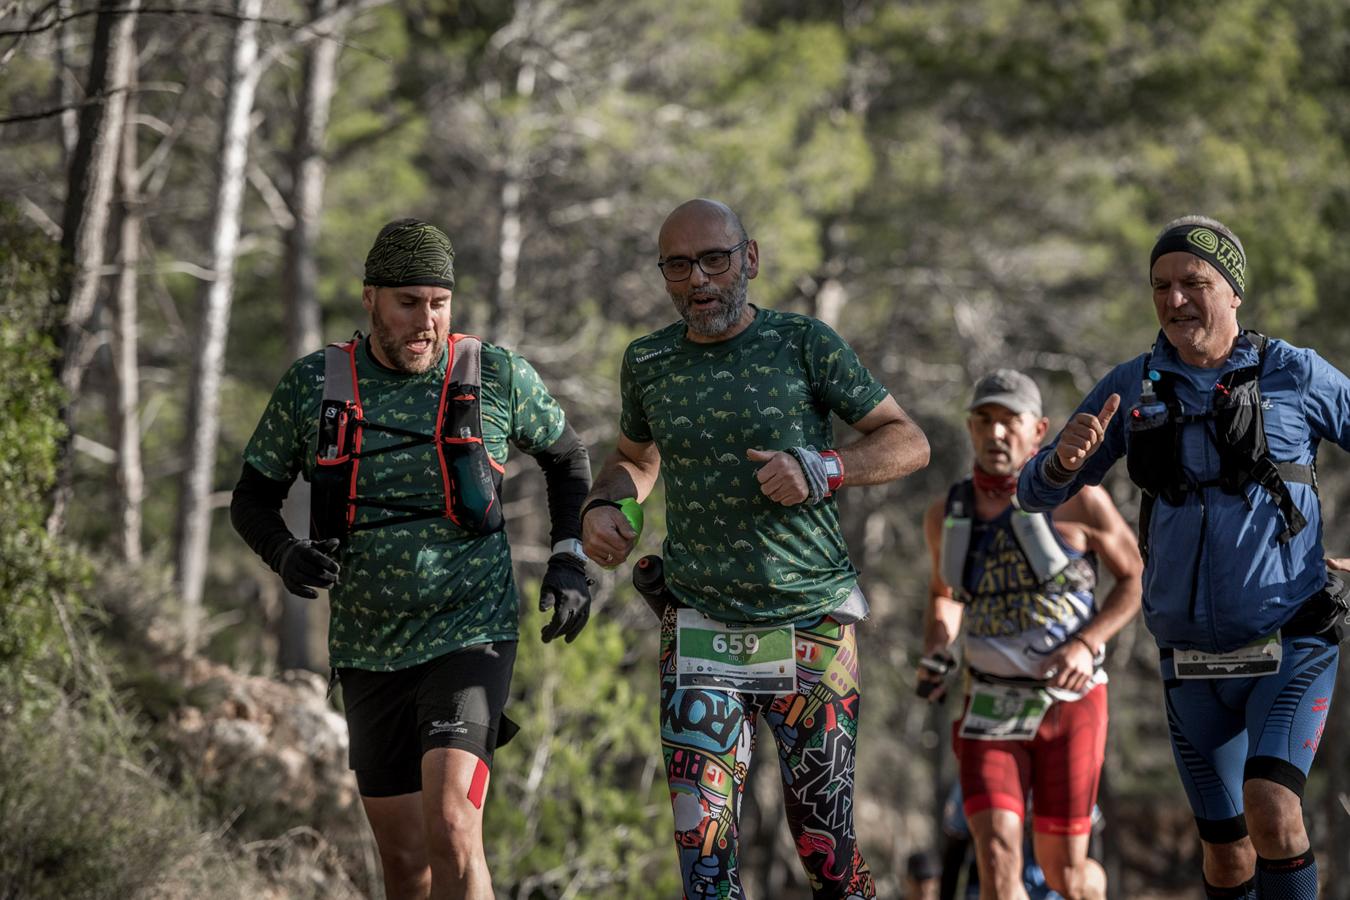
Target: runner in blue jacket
[1220,429]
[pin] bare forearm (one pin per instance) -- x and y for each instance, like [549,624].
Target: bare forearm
[1119,606]
[892,451]
[942,623]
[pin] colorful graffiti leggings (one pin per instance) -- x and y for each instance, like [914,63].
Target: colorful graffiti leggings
[707,737]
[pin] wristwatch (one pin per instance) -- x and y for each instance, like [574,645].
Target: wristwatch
[834,470]
[572,546]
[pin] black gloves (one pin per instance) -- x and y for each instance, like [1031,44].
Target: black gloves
[567,591]
[306,565]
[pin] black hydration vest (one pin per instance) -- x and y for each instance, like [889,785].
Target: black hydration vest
[470,479]
[1235,425]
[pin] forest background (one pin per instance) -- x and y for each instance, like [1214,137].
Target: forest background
[187,191]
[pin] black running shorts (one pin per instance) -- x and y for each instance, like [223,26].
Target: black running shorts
[454,700]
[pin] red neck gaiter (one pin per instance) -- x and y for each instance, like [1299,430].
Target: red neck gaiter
[999,486]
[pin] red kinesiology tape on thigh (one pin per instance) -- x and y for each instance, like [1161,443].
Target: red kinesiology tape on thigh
[478,787]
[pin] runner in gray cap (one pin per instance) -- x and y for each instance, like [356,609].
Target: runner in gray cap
[1024,587]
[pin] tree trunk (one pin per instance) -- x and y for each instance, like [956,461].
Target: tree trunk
[93,170]
[306,200]
[65,91]
[126,417]
[203,425]
[507,318]
[302,299]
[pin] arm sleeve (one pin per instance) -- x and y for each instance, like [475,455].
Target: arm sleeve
[567,474]
[1035,493]
[1326,401]
[255,512]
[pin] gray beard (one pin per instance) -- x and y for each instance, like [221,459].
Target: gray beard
[728,311]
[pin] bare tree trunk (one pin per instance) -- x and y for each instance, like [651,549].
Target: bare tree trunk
[203,425]
[308,170]
[302,277]
[506,319]
[93,170]
[126,369]
[65,91]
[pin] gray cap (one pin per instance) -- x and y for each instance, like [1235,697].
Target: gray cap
[1008,388]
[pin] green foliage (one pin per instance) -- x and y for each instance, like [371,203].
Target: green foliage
[36,573]
[95,823]
[579,797]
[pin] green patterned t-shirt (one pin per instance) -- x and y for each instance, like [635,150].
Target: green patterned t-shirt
[412,591]
[730,552]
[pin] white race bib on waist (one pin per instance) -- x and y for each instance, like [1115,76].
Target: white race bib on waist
[754,659]
[1004,712]
[1260,657]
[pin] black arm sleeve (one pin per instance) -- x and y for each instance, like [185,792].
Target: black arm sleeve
[567,472]
[255,512]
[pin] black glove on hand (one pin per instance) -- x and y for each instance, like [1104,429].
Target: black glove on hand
[567,591]
[306,565]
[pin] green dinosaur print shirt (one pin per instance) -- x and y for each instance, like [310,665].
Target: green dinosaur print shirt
[414,591]
[730,552]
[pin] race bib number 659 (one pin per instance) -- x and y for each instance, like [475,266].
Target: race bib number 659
[753,659]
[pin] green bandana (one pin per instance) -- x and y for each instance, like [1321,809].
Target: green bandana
[411,252]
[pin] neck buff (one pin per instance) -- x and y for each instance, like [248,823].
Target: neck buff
[411,252]
[1210,246]
[1000,486]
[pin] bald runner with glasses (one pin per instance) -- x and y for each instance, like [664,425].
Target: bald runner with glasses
[732,405]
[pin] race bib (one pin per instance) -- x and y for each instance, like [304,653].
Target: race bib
[1004,712]
[1261,657]
[748,658]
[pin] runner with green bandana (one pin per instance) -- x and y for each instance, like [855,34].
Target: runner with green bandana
[733,405]
[423,629]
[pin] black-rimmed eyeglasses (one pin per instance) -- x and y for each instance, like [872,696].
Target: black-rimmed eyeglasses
[714,262]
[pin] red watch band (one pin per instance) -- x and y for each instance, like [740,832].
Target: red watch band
[834,469]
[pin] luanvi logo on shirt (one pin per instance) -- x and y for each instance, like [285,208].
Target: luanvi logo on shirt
[456,727]
[653,354]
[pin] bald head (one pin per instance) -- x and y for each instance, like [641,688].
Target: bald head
[708,217]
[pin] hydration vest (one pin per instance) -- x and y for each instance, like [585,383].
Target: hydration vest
[1035,536]
[470,478]
[1237,432]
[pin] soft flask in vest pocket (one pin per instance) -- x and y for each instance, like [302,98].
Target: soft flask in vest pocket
[1152,442]
[474,497]
[329,510]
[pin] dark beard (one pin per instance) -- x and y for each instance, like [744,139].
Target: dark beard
[392,347]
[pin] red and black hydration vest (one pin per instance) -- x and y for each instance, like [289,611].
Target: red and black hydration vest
[470,478]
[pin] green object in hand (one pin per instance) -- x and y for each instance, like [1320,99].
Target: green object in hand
[632,511]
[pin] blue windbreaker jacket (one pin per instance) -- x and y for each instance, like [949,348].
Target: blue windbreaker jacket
[1217,576]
